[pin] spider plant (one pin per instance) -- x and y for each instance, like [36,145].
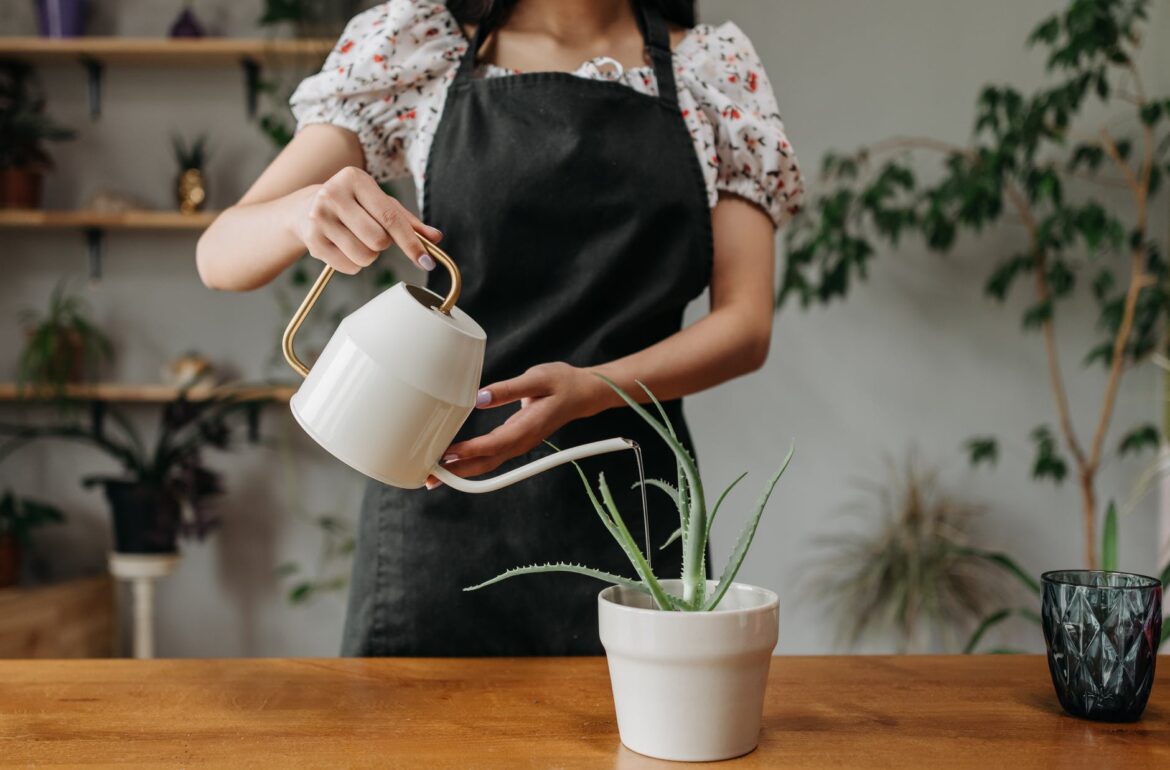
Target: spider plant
[62,346]
[910,567]
[694,529]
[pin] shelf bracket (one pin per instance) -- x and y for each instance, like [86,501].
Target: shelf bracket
[93,74]
[252,84]
[93,243]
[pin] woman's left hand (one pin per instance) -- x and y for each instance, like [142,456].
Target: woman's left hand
[550,396]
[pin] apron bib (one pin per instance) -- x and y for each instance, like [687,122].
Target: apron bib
[578,214]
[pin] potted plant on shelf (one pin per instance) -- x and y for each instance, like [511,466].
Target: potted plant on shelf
[667,640]
[165,489]
[19,516]
[24,128]
[190,183]
[62,346]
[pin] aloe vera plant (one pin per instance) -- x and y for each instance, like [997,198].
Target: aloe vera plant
[694,526]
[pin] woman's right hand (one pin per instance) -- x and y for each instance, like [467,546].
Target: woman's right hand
[348,221]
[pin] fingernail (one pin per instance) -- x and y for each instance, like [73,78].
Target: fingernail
[483,398]
[438,233]
[434,484]
[426,262]
[449,458]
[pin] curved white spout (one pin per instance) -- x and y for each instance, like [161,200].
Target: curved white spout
[532,468]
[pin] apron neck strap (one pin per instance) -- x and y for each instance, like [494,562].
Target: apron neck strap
[655,34]
[467,64]
[657,37]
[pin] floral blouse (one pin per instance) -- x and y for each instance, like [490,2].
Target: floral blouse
[387,78]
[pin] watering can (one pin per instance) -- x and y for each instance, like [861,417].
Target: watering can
[396,382]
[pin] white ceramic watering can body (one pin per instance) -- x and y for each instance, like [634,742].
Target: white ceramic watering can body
[396,382]
[393,386]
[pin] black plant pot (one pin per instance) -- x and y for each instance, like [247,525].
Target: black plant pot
[146,517]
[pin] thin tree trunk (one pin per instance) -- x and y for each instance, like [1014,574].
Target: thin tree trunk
[1089,514]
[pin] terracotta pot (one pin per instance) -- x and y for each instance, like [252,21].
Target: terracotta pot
[20,188]
[69,360]
[9,561]
[146,517]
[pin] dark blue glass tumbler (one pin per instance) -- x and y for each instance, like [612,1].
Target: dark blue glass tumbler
[1102,631]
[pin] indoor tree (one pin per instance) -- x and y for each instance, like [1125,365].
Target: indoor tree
[1084,196]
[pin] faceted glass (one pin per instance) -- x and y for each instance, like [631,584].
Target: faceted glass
[1102,631]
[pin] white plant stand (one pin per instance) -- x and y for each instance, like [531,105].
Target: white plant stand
[141,570]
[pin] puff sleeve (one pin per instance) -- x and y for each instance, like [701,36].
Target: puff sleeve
[378,79]
[749,151]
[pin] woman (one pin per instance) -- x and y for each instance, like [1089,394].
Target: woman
[592,165]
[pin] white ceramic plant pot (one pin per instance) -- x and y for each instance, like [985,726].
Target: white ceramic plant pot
[689,686]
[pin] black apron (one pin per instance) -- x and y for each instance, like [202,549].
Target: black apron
[578,214]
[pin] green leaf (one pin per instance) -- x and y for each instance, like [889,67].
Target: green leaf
[1038,315]
[1140,438]
[577,569]
[1109,540]
[665,486]
[719,502]
[694,548]
[1006,562]
[633,552]
[300,593]
[993,620]
[1048,463]
[1102,353]
[745,538]
[1151,113]
[625,541]
[982,449]
[1046,32]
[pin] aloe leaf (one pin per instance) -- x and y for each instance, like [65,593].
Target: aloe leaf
[1006,562]
[694,579]
[745,538]
[665,486]
[719,502]
[630,546]
[657,405]
[682,498]
[577,569]
[673,536]
[1166,577]
[1109,539]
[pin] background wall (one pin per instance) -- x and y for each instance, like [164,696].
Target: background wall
[915,358]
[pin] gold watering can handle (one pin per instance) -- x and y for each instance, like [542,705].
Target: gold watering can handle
[298,318]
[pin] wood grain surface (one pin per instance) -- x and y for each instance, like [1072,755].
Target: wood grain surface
[821,712]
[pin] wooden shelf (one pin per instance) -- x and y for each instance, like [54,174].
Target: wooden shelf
[147,394]
[149,50]
[102,220]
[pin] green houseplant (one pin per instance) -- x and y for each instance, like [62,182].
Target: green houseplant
[165,489]
[662,637]
[1083,195]
[19,516]
[906,564]
[62,345]
[24,128]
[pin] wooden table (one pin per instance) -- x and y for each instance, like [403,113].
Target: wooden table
[848,712]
